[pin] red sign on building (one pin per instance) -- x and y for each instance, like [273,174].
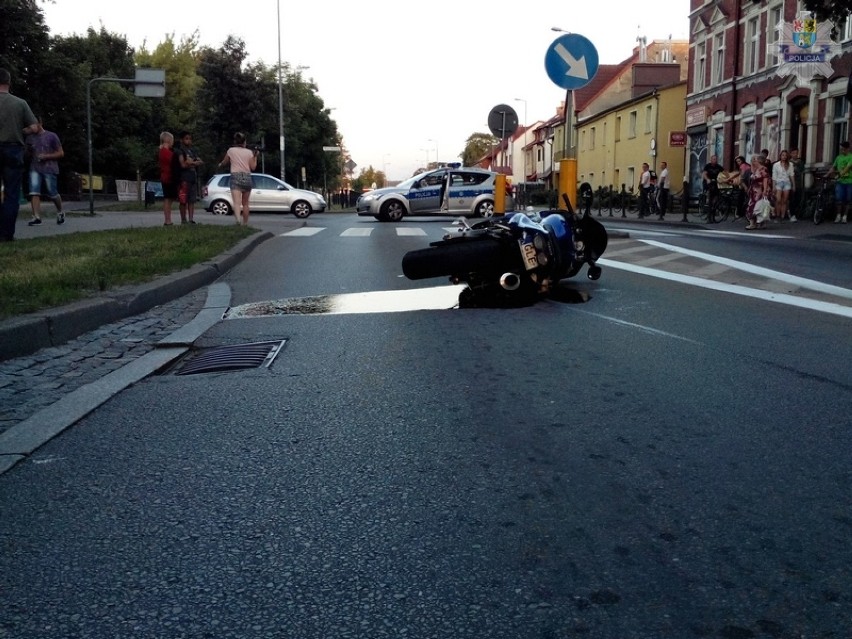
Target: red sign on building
[677,138]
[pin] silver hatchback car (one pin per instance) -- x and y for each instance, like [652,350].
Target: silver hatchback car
[268,194]
[450,190]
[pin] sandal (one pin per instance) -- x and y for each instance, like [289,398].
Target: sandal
[751,227]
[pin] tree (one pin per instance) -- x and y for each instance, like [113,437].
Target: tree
[835,11]
[179,109]
[477,147]
[119,119]
[24,42]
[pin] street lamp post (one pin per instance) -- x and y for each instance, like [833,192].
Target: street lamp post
[436,150]
[385,168]
[280,97]
[524,149]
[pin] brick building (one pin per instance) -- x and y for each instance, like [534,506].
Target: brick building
[738,104]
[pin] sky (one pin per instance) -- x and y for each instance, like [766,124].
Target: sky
[407,83]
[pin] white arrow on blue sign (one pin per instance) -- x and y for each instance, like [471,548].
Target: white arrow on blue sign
[571,61]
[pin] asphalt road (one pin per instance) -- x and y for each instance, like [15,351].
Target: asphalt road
[663,460]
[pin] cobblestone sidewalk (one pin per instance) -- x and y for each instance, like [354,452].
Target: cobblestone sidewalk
[30,383]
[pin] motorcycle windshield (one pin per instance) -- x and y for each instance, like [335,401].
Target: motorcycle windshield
[557,225]
[523,222]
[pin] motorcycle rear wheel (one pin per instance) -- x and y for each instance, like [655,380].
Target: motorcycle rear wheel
[460,257]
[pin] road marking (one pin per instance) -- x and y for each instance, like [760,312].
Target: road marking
[356,232]
[642,327]
[779,298]
[801,282]
[305,231]
[409,231]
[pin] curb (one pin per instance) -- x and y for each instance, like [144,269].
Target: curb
[24,335]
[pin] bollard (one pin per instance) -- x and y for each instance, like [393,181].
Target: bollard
[684,201]
[623,198]
[610,200]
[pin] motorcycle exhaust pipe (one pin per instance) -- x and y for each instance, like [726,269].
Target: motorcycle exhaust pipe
[510,281]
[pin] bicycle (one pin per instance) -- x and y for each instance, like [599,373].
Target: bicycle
[725,203]
[822,202]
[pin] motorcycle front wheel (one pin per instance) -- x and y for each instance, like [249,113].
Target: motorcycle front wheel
[460,257]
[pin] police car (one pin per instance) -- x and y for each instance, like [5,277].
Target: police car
[449,190]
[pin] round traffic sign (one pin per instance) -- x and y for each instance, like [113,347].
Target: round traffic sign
[571,61]
[503,121]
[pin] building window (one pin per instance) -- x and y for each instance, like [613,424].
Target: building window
[840,123]
[774,29]
[583,140]
[719,59]
[700,65]
[771,137]
[649,118]
[748,140]
[752,60]
[618,128]
[845,31]
[592,138]
[631,178]
[631,125]
[603,140]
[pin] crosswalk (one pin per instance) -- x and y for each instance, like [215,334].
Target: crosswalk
[367,231]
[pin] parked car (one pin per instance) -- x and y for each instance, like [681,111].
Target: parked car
[471,193]
[268,194]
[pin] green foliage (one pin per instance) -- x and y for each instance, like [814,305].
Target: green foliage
[23,44]
[476,147]
[835,11]
[210,92]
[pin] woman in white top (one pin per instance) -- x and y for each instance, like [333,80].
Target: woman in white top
[783,174]
[242,161]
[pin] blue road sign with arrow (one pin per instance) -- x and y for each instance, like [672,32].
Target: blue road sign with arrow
[571,61]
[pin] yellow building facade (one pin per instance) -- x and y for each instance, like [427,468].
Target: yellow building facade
[613,144]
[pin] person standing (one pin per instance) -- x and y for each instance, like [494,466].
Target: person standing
[644,190]
[664,183]
[45,151]
[783,175]
[758,189]
[842,168]
[242,162]
[165,158]
[188,187]
[798,183]
[16,121]
[711,187]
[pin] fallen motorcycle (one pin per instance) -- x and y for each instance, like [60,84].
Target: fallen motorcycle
[512,260]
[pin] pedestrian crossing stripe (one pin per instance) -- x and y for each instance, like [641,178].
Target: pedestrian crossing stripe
[402,231]
[305,231]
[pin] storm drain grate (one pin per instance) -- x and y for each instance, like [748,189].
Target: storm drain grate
[231,358]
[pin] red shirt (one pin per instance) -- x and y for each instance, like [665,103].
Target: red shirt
[165,161]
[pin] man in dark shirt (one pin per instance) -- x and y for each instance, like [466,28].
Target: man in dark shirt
[711,187]
[16,121]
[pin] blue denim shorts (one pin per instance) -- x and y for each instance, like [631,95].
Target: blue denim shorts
[49,180]
[842,193]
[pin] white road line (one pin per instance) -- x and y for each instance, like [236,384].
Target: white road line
[305,231]
[356,232]
[409,231]
[779,298]
[801,282]
[642,327]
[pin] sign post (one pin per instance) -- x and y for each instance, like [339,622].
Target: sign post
[149,83]
[571,62]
